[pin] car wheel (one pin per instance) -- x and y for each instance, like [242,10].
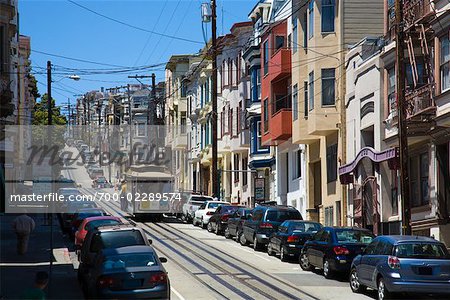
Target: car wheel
[269,250]
[217,231]
[283,256]
[227,233]
[256,245]
[383,293]
[355,285]
[208,227]
[304,262]
[203,224]
[242,239]
[327,273]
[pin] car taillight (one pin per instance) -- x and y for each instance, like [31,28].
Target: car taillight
[393,262]
[293,239]
[105,282]
[158,278]
[225,218]
[266,225]
[209,213]
[341,250]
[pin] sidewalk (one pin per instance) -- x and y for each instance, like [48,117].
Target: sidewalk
[17,272]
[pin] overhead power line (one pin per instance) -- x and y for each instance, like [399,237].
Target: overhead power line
[77,59]
[133,26]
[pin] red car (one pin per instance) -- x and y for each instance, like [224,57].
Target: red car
[91,223]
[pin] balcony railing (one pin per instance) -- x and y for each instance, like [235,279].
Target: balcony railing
[419,100]
[415,10]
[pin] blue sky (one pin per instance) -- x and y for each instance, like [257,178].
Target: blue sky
[62,28]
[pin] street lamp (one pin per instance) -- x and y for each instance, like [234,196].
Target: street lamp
[74,77]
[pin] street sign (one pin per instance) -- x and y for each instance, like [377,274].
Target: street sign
[259,189]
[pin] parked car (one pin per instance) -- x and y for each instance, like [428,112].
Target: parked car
[108,237]
[82,148]
[192,205]
[101,183]
[333,248]
[77,143]
[411,264]
[235,221]
[263,221]
[290,237]
[84,213]
[89,167]
[91,223]
[218,221]
[96,172]
[132,272]
[205,211]
[69,208]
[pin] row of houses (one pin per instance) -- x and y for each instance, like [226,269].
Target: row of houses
[17,93]
[116,120]
[307,113]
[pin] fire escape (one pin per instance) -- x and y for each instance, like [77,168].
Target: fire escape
[419,94]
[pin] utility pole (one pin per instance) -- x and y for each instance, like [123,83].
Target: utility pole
[153,97]
[131,125]
[70,115]
[215,179]
[49,93]
[402,128]
[99,111]
[49,136]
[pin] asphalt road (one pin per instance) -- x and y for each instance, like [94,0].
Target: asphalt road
[202,265]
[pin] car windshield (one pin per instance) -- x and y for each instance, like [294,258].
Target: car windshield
[304,227]
[96,223]
[354,236]
[229,209]
[421,250]
[116,239]
[282,215]
[200,199]
[69,192]
[197,202]
[91,213]
[129,261]
[214,205]
[79,205]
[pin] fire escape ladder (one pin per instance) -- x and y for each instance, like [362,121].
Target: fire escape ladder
[412,61]
[427,60]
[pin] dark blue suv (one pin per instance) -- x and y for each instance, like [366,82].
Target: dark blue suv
[402,264]
[263,221]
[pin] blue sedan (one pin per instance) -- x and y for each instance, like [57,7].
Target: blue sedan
[133,272]
[410,264]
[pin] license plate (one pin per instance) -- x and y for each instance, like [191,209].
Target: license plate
[425,271]
[132,283]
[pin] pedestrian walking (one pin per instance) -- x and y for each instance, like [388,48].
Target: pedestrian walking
[23,225]
[37,292]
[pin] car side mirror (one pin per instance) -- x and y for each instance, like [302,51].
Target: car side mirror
[150,241]
[163,259]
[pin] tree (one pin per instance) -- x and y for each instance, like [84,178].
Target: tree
[40,133]
[40,113]
[33,86]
